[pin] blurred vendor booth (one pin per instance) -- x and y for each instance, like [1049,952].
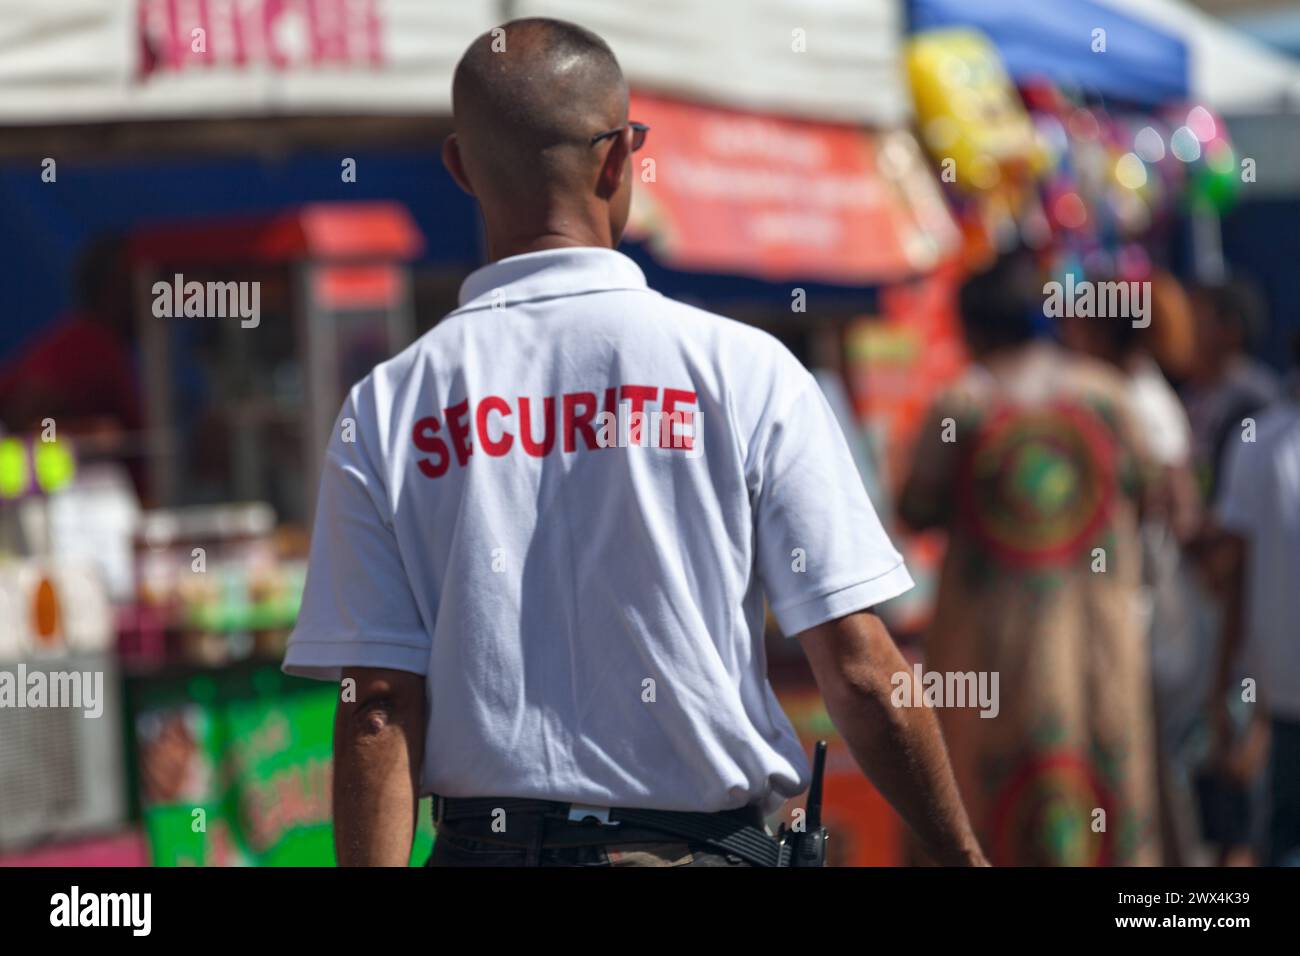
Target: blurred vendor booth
[252,330]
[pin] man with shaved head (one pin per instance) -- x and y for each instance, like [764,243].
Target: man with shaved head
[527,104]
[546,530]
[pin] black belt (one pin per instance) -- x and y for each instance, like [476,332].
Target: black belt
[733,831]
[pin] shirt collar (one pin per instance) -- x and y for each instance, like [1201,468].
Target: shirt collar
[549,274]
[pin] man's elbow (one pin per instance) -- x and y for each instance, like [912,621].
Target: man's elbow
[375,702]
[854,661]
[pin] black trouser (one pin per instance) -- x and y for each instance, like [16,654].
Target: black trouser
[1284,785]
[538,839]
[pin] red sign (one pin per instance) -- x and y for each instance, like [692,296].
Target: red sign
[723,191]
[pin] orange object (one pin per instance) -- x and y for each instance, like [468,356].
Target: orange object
[47,626]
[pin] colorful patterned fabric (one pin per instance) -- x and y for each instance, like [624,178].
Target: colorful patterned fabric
[1039,484]
[1040,584]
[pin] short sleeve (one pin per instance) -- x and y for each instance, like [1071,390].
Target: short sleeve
[1239,496]
[358,609]
[821,550]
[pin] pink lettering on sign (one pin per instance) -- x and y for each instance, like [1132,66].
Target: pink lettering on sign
[179,35]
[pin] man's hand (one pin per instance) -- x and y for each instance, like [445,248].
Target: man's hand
[378,750]
[900,749]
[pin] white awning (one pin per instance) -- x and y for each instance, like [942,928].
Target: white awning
[67,61]
[1231,71]
[834,60]
[70,61]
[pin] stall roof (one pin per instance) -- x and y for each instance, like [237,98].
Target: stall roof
[1142,62]
[110,61]
[833,60]
[1231,72]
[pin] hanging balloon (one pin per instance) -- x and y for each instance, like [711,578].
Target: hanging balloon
[1092,160]
[1060,205]
[969,114]
[1066,208]
[1149,144]
[1199,142]
[1053,142]
[1215,183]
[1132,262]
[1146,145]
[1129,179]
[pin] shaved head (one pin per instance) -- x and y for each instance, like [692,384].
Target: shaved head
[527,97]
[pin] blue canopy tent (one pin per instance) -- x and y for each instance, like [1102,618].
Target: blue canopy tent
[1054,39]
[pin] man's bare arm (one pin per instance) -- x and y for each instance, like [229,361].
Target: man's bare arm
[1228,562]
[378,750]
[900,749]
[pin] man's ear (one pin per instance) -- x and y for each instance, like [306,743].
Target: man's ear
[615,166]
[451,159]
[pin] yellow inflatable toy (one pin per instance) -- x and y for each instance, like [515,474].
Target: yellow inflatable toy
[969,114]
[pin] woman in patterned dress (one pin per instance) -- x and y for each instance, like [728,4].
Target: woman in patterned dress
[1032,464]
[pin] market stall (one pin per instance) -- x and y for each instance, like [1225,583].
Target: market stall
[164,561]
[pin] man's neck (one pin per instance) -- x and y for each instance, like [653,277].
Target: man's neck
[556,228]
[517,246]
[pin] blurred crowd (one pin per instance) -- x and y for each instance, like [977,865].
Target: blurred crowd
[1123,511]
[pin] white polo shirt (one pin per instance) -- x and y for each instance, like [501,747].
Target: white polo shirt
[563,506]
[1259,499]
